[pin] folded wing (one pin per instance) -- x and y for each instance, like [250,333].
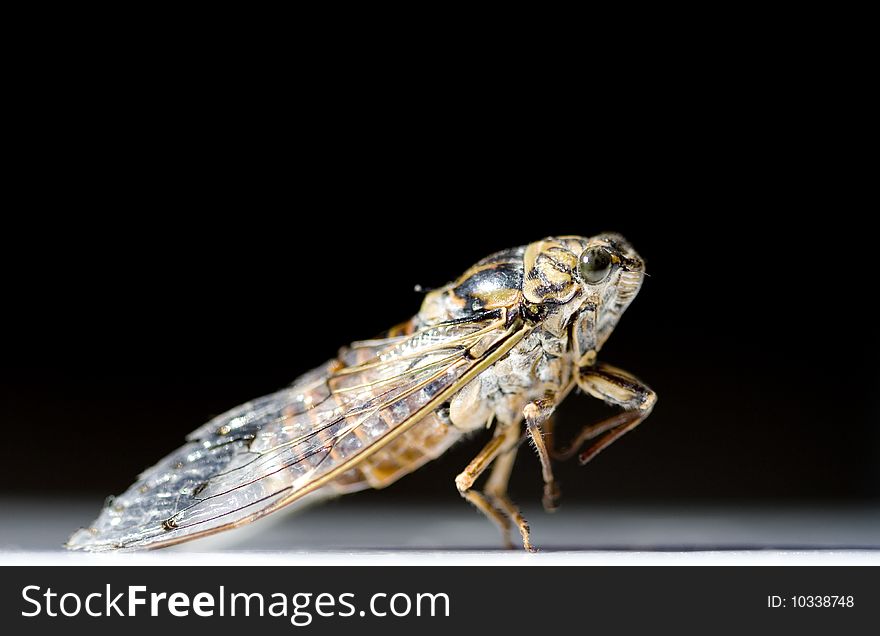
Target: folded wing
[270,452]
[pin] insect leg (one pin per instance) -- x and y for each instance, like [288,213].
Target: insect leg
[482,504]
[618,388]
[501,450]
[496,489]
[465,480]
[536,414]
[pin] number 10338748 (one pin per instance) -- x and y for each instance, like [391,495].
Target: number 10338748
[826,600]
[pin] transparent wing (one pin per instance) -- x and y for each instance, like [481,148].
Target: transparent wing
[270,452]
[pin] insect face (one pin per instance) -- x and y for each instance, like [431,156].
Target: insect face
[582,284]
[611,272]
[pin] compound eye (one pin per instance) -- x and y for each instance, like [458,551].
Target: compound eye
[595,265]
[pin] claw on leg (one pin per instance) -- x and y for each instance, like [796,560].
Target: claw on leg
[516,516]
[589,432]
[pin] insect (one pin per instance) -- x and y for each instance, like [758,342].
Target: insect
[500,347]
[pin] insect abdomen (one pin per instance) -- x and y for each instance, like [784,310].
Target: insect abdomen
[425,441]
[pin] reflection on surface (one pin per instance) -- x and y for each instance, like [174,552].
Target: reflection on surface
[44,524]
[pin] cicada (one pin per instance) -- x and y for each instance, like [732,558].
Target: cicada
[498,348]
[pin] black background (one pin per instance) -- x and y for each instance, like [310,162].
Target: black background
[169,255]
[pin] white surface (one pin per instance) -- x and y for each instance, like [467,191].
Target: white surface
[346,532]
[446,558]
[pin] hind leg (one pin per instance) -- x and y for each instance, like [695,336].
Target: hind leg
[493,502]
[496,490]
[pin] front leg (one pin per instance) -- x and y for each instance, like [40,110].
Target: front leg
[618,388]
